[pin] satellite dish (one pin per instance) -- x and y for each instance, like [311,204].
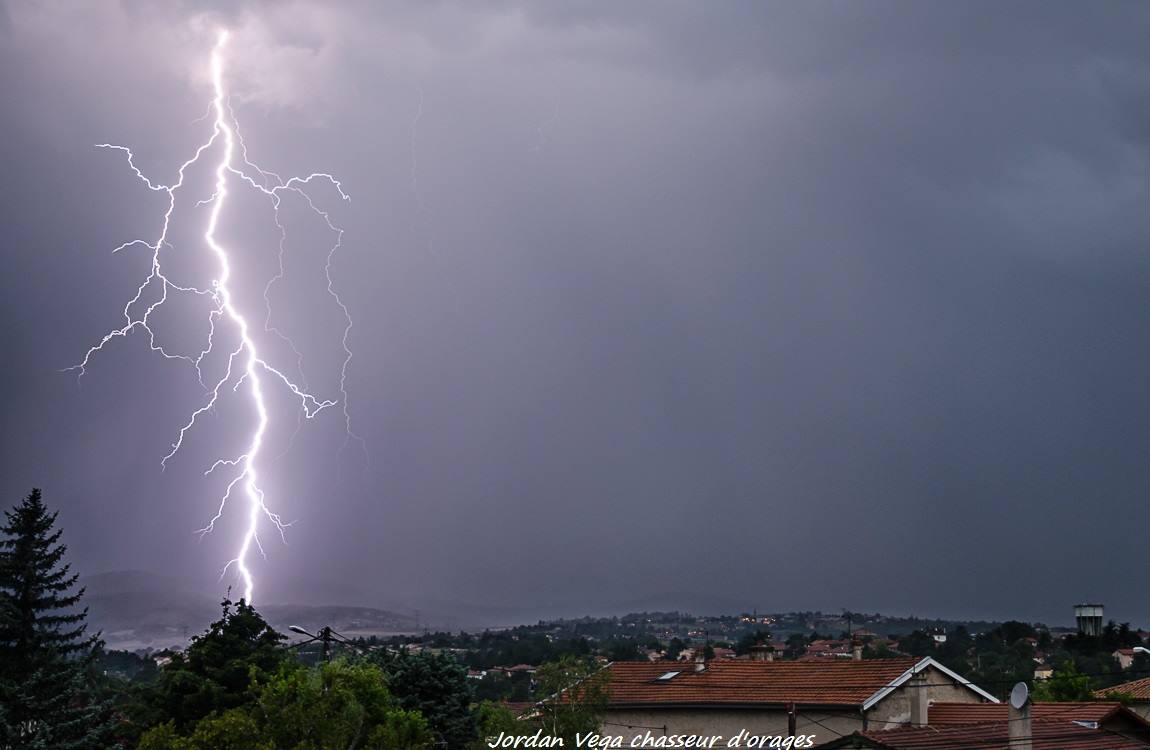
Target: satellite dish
[1019,695]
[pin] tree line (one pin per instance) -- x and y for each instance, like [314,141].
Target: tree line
[237,686]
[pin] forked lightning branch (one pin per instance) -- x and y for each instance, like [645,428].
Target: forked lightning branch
[247,371]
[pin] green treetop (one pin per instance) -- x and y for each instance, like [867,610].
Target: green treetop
[216,671]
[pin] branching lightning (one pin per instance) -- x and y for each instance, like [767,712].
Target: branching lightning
[245,367]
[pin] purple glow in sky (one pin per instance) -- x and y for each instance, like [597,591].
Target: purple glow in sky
[657,303]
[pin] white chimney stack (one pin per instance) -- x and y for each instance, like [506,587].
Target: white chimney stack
[1019,715]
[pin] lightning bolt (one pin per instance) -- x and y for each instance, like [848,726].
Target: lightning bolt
[245,368]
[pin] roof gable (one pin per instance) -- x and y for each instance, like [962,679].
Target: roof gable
[920,666]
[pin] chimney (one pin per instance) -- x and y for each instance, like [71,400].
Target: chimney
[700,659]
[1019,715]
[856,649]
[920,702]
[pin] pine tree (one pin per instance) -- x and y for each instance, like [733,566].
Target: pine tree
[45,656]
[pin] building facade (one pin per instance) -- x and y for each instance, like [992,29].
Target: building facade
[823,700]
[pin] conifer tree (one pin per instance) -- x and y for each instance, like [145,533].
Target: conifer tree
[45,655]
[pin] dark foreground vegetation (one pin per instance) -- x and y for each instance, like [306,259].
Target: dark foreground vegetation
[240,686]
[237,686]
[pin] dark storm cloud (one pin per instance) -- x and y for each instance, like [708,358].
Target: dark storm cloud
[801,305]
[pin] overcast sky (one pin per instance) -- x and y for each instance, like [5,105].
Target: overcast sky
[794,305]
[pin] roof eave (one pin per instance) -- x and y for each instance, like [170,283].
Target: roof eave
[781,705]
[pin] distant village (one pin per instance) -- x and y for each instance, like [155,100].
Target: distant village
[842,680]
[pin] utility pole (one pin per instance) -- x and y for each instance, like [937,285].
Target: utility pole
[326,637]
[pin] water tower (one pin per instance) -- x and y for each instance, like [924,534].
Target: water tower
[1089,618]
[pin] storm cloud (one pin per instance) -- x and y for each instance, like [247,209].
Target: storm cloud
[793,305]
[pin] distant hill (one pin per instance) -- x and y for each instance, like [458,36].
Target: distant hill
[137,610]
[682,601]
[349,621]
[140,610]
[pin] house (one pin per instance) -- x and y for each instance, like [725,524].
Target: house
[1125,657]
[1043,671]
[651,654]
[1046,734]
[1138,691]
[820,699]
[1049,726]
[688,654]
[827,649]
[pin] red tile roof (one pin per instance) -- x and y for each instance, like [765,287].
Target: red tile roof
[1047,734]
[823,658]
[736,682]
[972,713]
[517,707]
[1138,689]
